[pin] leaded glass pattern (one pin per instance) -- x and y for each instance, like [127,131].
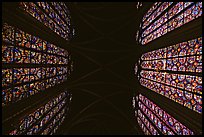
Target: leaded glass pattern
[150,129]
[175,72]
[156,120]
[172,17]
[20,49]
[45,119]
[184,56]
[51,15]
[150,11]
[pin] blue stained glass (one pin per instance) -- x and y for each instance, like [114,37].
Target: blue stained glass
[177,15]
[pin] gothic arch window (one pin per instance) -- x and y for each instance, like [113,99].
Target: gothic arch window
[29,64]
[54,15]
[46,119]
[154,120]
[175,72]
[164,17]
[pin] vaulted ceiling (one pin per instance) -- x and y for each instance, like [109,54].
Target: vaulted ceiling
[103,82]
[104,52]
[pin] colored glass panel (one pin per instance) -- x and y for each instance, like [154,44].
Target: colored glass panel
[164,122]
[27,49]
[6,77]
[7,54]
[176,16]
[34,122]
[8,33]
[43,12]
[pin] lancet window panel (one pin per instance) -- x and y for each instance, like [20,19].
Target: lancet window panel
[18,54]
[6,96]
[157,120]
[161,7]
[8,33]
[149,125]
[21,75]
[177,8]
[44,13]
[26,90]
[35,74]
[52,14]
[6,77]
[187,82]
[44,58]
[51,71]
[185,98]
[175,23]
[52,81]
[175,72]
[183,64]
[60,78]
[39,125]
[24,39]
[184,56]
[42,118]
[20,92]
[37,43]
[54,125]
[141,124]
[61,11]
[164,116]
[36,57]
[64,7]
[24,49]
[150,11]
[35,88]
[51,59]
[178,15]
[192,13]
[155,25]
[7,53]
[158,12]
[21,55]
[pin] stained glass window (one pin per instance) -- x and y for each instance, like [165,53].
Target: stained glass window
[155,121]
[176,73]
[167,16]
[150,11]
[7,53]
[19,79]
[23,39]
[54,15]
[6,77]
[6,96]
[8,33]
[45,118]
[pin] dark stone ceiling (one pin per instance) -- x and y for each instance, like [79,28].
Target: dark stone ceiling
[103,82]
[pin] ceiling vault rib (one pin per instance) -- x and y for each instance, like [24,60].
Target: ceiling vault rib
[90,25]
[98,82]
[100,50]
[86,75]
[101,66]
[107,101]
[87,42]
